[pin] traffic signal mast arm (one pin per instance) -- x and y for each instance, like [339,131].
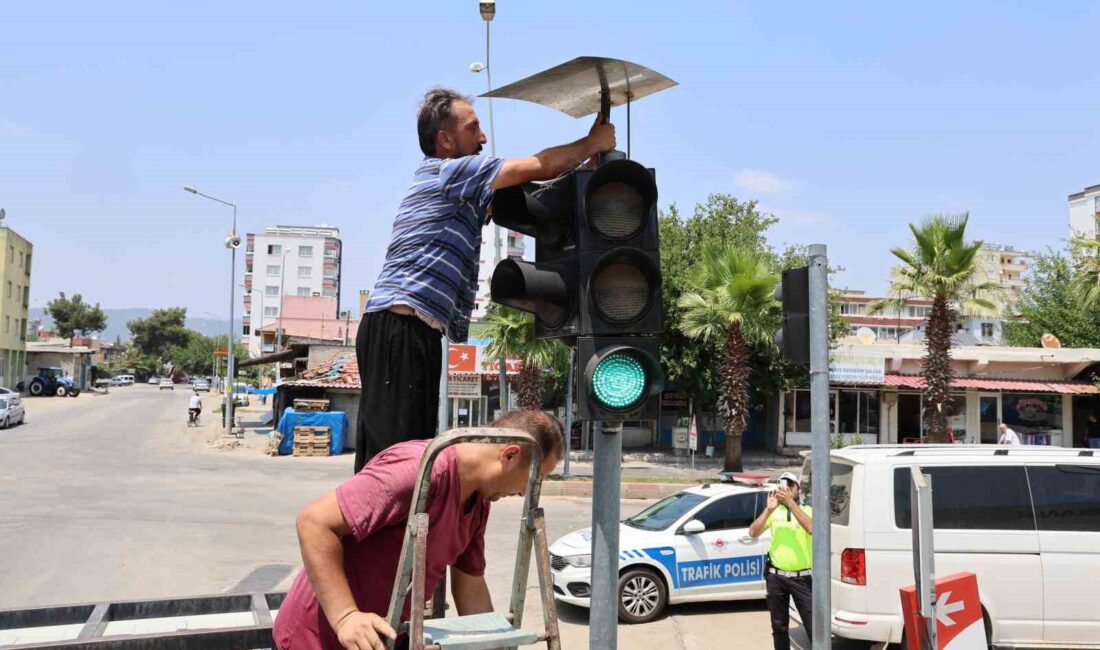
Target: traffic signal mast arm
[553,162]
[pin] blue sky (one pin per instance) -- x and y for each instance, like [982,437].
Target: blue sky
[846,120]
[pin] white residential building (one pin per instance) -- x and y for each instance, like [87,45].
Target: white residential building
[1004,265]
[291,261]
[511,246]
[1084,210]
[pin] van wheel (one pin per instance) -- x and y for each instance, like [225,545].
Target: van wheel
[642,596]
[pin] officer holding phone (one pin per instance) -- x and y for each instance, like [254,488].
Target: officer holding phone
[789,558]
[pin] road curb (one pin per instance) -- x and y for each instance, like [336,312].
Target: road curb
[629,490]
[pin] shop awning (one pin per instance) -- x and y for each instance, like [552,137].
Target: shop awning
[916,382]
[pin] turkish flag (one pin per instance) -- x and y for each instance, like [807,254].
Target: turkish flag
[462,358]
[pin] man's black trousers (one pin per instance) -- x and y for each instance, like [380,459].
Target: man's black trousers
[780,592]
[400,358]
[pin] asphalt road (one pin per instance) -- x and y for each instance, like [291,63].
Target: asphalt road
[114,497]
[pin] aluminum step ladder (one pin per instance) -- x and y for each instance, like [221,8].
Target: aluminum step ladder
[479,631]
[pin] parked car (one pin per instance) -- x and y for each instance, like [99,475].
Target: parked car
[1024,519]
[12,410]
[689,547]
[166,384]
[202,384]
[153,381]
[240,394]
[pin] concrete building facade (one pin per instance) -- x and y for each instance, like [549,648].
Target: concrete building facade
[15,285]
[1004,265]
[512,246]
[300,261]
[1084,210]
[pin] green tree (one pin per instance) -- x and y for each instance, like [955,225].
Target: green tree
[72,315]
[733,302]
[1086,254]
[1051,304]
[942,265]
[513,334]
[153,338]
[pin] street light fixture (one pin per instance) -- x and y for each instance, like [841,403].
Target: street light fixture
[232,242]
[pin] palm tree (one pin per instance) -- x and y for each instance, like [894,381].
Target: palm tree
[733,301]
[513,335]
[943,266]
[1087,249]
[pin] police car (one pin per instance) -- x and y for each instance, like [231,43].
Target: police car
[689,547]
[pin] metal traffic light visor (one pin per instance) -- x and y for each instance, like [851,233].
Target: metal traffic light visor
[577,87]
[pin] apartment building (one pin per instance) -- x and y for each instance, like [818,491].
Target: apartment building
[1004,265]
[908,323]
[511,246]
[15,285]
[288,261]
[1084,211]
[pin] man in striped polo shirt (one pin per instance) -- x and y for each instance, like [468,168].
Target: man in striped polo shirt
[428,282]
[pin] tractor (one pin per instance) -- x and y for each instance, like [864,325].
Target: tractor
[52,381]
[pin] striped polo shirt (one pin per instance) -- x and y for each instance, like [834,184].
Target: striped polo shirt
[432,260]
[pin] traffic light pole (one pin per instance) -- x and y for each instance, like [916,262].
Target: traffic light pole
[603,617]
[569,408]
[819,460]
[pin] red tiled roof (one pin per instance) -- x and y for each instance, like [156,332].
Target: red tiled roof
[1020,385]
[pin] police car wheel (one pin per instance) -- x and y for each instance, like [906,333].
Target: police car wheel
[642,596]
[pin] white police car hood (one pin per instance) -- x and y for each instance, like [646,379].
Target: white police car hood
[580,542]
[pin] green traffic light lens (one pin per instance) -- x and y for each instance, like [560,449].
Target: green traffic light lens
[619,381]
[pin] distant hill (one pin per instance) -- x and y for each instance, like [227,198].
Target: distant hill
[117,319]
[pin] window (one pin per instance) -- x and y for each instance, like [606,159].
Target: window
[849,411]
[732,512]
[665,512]
[851,308]
[20,259]
[274,249]
[305,251]
[27,266]
[11,253]
[7,324]
[305,271]
[956,416]
[1032,412]
[303,291]
[246,328]
[272,270]
[987,330]
[1067,497]
[271,291]
[970,498]
[271,311]
[801,411]
[9,289]
[18,292]
[841,491]
[869,419]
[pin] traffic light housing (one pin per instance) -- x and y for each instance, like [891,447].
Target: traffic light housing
[620,377]
[597,264]
[793,337]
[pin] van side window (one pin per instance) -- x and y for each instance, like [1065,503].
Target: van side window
[1067,497]
[731,512]
[840,491]
[970,498]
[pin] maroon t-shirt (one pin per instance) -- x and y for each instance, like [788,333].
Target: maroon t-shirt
[375,504]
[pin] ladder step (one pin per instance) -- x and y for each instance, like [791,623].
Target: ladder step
[475,632]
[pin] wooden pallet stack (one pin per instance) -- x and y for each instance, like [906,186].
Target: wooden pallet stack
[311,405]
[312,441]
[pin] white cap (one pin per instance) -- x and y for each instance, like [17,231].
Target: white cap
[789,476]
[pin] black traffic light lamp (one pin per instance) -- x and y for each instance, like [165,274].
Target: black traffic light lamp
[620,378]
[793,337]
[597,265]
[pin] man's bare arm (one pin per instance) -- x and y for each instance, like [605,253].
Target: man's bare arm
[320,526]
[550,163]
[471,594]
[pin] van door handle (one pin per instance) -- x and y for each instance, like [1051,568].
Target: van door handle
[747,539]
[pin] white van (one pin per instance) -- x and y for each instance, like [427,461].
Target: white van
[1026,520]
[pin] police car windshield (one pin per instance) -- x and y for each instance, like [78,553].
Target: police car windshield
[665,512]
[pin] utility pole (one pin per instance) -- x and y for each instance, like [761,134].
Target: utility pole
[820,472]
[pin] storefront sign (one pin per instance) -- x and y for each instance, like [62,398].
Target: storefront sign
[492,366]
[674,399]
[856,369]
[463,385]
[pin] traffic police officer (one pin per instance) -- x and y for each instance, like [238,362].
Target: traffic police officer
[787,574]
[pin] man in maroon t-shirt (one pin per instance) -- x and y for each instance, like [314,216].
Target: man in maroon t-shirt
[351,538]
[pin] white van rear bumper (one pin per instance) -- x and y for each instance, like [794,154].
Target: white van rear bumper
[867,627]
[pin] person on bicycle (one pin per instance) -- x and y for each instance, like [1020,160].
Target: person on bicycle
[194,407]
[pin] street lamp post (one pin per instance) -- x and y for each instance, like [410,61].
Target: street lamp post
[232,243]
[488,11]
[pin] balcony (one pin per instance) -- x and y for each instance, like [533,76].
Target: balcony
[329,284]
